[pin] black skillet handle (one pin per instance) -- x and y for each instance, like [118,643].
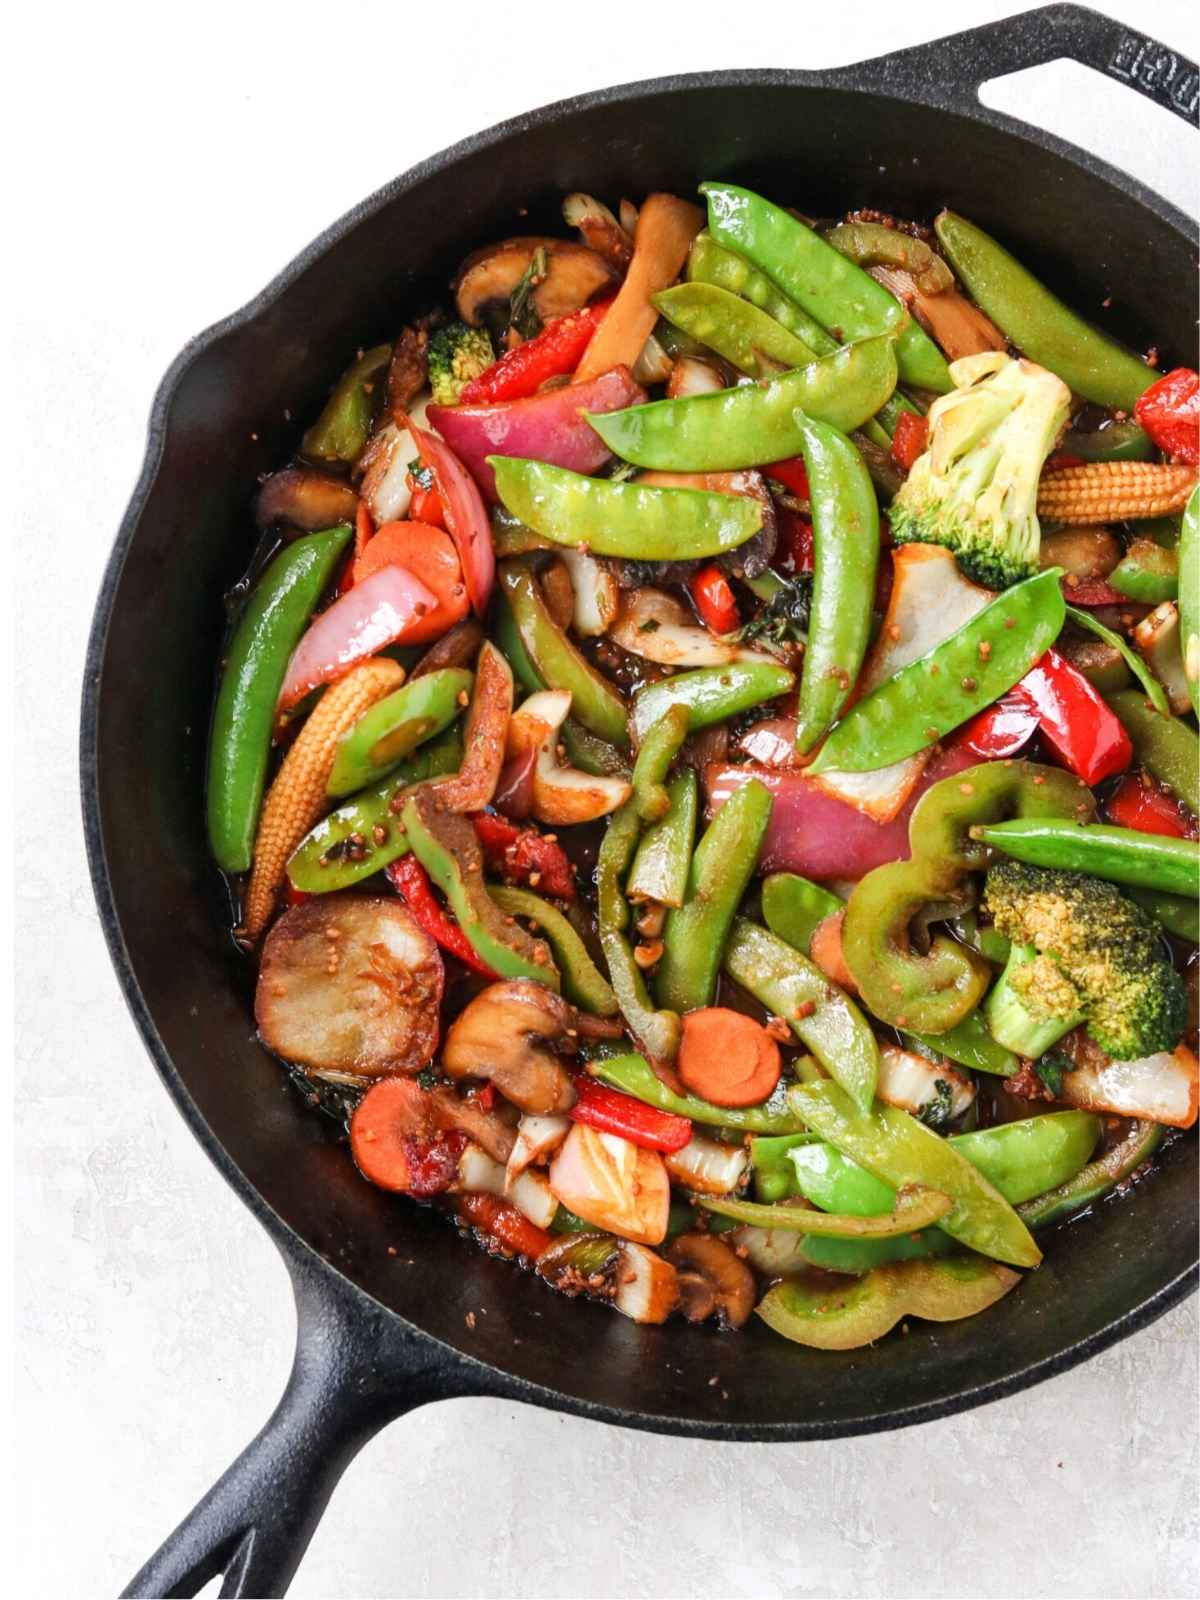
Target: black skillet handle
[355,1370]
[949,71]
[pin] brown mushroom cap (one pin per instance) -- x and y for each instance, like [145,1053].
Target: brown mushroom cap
[305,499]
[507,1035]
[711,1278]
[574,275]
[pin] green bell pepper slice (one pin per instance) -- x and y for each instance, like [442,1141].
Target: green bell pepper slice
[792,907]
[1038,322]
[843,298]
[555,660]
[1189,596]
[664,854]
[1096,1179]
[393,728]
[951,683]
[747,337]
[267,632]
[1147,573]
[1119,855]
[912,1209]
[769,1163]
[582,981]
[658,749]
[753,424]
[1152,690]
[656,1030]
[341,432]
[711,694]
[824,1019]
[899,1149]
[722,866]
[862,1310]
[1163,744]
[632,1074]
[624,519]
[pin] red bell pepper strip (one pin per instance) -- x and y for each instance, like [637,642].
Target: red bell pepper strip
[411,882]
[554,352]
[714,600]
[526,855]
[909,440]
[791,474]
[610,1111]
[1169,411]
[1000,731]
[1088,737]
[504,1223]
[1139,803]
[364,531]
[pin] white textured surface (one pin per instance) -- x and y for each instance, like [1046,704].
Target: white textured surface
[168,161]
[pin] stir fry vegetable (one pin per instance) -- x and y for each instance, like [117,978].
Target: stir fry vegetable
[731,830]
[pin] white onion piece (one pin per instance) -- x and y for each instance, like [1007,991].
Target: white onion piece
[384,487]
[647,1287]
[930,600]
[692,376]
[597,598]
[653,365]
[530,1193]
[613,1183]
[774,1251]
[911,1082]
[1162,1087]
[537,1140]
[656,627]
[706,1166]
[562,795]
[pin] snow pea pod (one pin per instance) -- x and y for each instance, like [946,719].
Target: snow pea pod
[818,1013]
[1120,855]
[268,630]
[1163,744]
[845,523]
[710,262]
[711,694]
[970,1044]
[722,866]
[363,835]
[899,1149]
[395,726]
[1152,690]
[748,338]
[1037,322]
[839,294]
[769,1161]
[552,657]
[1189,596]
[658,749]
[792,907]
[753,424]
[955,680]
[583,982]
[632,1074]
[624,519]
[664,855]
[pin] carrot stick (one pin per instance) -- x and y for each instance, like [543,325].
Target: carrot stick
[727,1058]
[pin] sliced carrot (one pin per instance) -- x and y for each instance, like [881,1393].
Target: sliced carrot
[825,948]
[397,1143]
[504,1223]
[727,1058]
[428,553]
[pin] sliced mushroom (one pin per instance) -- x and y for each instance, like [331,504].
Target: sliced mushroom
[613,1184]
[558,592]
[600,230]
[507,1035]
[408,372]
[306,499]
[711,1278]
[948,316]
[1084,553]
[574,275]
[706,1166]
[349,988]
[656,627]
[561,795]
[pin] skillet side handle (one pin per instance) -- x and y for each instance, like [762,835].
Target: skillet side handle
[950,71]
[355,1370]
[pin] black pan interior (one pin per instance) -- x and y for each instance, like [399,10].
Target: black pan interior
[236,410]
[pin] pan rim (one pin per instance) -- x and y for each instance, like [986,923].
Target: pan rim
[481,1377]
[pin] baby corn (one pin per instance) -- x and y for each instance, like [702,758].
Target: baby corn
[297,798]
[1114,491]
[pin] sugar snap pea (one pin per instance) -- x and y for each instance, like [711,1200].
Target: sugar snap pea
[393,728]
[970,1044]
[748,338]
[268,630]
[624,519]
[1163,744]
[664,853]
[710,262]
[818,1013]
[753,424]
[1037,322]
[1120,855]
[711,694]
[845,523]
[1189,596]
[956,679]
[839,294]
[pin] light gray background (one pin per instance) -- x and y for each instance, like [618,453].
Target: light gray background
[168,160]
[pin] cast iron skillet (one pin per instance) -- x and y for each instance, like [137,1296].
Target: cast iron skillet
[380,1333]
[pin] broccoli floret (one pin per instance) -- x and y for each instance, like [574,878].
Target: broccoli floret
[457,354]
[1082,952]
[975,488]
